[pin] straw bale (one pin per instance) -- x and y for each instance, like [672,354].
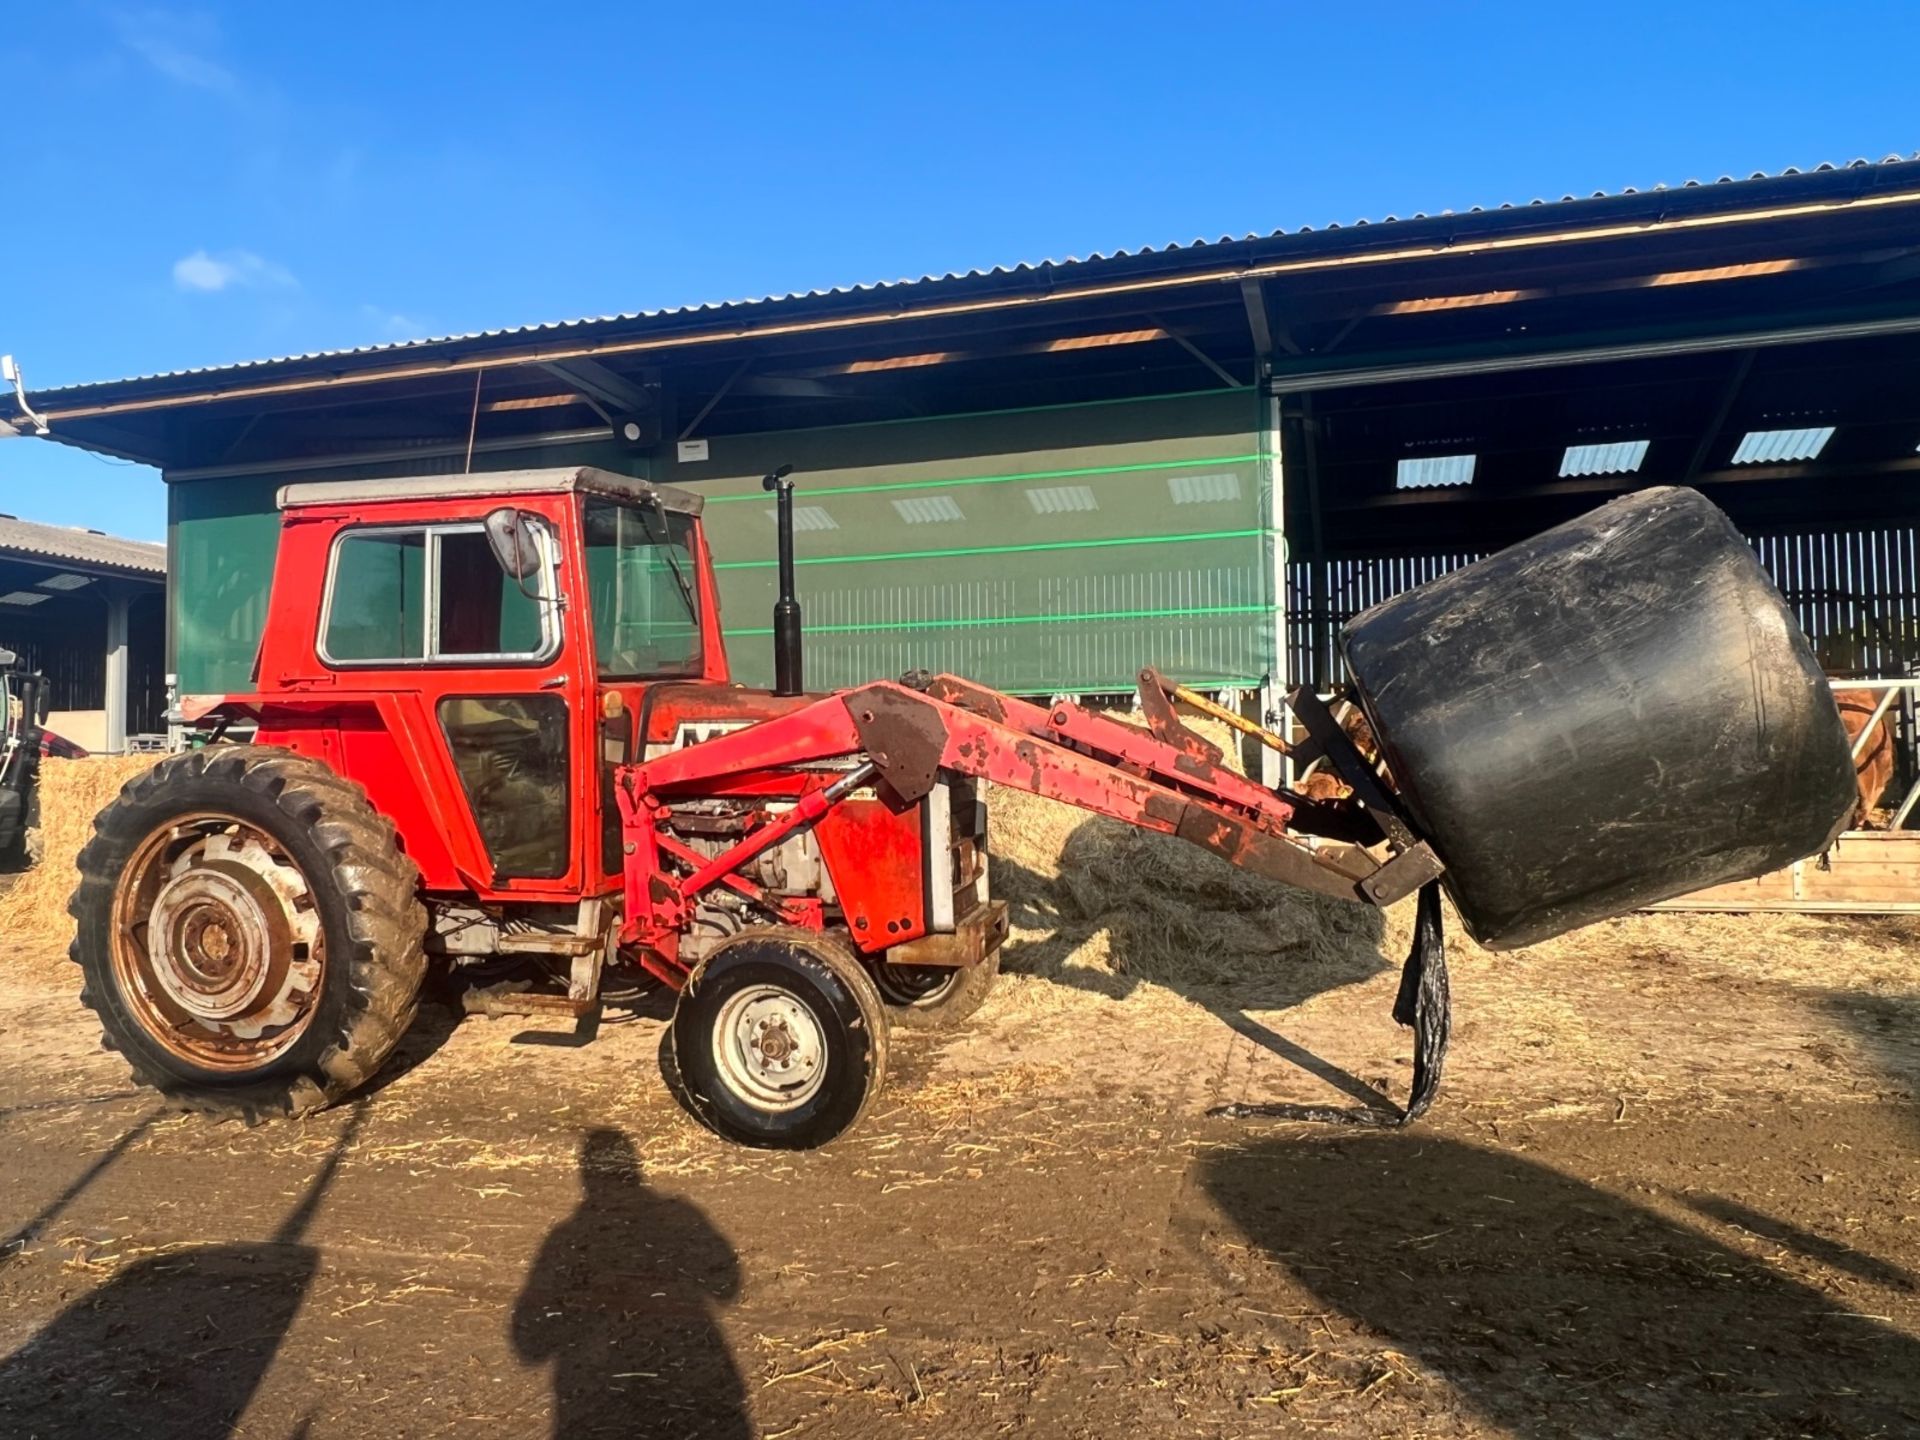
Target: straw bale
[34,908]
[1101,906]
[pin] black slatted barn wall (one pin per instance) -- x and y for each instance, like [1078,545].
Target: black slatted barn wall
[1350,586]
[1855,592]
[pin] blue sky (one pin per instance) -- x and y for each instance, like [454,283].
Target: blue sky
[193,185]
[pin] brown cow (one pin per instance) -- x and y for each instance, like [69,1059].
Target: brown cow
[1326,784]
[1873,762]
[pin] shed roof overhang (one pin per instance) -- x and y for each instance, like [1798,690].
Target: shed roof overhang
[1772,260]
[81,552]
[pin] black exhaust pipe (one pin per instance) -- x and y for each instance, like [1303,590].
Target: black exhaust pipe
[787,665]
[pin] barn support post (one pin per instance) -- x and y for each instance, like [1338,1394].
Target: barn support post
[1323,598]
[118,605]
[1274,480]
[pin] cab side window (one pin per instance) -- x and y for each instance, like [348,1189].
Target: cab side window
[378,599]
[433,594]
[481,610]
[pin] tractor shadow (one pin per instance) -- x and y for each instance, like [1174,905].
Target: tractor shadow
[1550,1307]
[175,1344]
[30,1231]
[1821,1249]
[1129,908]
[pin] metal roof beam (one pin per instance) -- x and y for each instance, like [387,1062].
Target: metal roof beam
[1722,408]
[293,465]
[794,387]
[1303,382]
[1227,377]
[609,393]
[714,399]
[1253,297]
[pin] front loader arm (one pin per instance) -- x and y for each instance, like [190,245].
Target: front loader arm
[905,736]
[1069,754]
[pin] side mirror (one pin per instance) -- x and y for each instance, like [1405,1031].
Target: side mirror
[510,535]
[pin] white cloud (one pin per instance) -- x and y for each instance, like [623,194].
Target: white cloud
[203,273]
[393,325]
[175,44]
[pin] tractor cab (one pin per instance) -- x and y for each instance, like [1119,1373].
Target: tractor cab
[481,656]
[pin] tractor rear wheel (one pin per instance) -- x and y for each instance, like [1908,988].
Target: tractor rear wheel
[248,931]
[780,1039]
[923,997]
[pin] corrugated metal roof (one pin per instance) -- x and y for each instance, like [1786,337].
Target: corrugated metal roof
[83,548]
[1046,268]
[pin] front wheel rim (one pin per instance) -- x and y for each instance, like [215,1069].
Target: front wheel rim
[770,1048]
[217,943]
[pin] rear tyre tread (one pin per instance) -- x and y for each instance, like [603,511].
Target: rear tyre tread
[380,944]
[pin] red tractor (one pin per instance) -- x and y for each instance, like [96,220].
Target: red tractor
[493,720]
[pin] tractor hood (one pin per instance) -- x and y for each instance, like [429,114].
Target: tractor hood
[680,713]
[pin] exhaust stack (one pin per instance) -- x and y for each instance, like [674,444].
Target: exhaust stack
[787,661]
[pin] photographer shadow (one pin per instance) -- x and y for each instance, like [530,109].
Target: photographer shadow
[623,1302]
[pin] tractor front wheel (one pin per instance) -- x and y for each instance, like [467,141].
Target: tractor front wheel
[248,931]
[780,1039]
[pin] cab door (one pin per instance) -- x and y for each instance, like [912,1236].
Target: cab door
[652,618]
[481,660]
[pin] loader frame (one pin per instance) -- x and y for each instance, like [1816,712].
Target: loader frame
[901,736]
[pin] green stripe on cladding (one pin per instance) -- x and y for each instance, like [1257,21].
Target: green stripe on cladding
[992,549]
[810,492]
[978,622]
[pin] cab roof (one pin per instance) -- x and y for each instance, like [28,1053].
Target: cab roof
[566,479]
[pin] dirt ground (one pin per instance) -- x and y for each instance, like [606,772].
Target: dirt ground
[1669,1190]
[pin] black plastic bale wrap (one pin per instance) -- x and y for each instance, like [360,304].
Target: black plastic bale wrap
[1613,713]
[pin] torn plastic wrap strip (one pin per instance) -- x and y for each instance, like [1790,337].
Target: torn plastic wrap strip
[1424,1003]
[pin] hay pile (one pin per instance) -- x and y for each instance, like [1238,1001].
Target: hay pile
[34,909]
[1102,910]
[1139,906]
[1105,907]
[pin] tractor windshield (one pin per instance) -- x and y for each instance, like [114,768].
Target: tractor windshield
[640,570]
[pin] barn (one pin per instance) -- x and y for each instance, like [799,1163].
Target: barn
[1205,456]
[88,611]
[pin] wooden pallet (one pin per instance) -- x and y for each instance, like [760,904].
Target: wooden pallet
[1869,872]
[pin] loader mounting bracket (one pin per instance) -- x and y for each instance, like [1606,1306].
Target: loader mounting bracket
[902,735]
[1325,737]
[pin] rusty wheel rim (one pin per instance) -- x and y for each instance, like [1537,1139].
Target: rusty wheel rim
[217,943]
